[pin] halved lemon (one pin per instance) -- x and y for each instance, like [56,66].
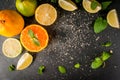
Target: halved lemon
[11,47]
[67,5]
[24,61]
[112,18]
[45,14]
[87,6]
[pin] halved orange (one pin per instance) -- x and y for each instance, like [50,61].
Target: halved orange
[40,35]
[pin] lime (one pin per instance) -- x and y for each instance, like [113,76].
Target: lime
[11,47]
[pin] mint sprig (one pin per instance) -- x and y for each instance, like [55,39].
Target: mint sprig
[100,24]
[107,44]
[96,63]
[11,67]
[105,56]
[99,61]
[41,69]
[78,1]
[33,37]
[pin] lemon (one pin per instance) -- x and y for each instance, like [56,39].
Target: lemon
[67,5]
[112,18]
[45,14]
[11,47]
[24,61]
[87,6]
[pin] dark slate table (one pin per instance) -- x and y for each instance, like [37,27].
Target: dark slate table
[72,40]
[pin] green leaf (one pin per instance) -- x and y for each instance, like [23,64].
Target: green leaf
[94,4]
[105,56]
[11,67]
[100,24]
[96,63]
[34,38]
[41,69]
[54,1]
[105,4]
[31,33]
[77,1]
[62,69]
[77,65]
[36,41]
[107,44]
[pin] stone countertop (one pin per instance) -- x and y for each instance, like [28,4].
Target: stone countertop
[72,40]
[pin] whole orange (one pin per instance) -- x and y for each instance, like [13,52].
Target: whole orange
[11,23]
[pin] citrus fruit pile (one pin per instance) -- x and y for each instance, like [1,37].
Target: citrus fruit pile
[34,37]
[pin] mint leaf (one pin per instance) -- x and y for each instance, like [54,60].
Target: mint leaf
[41,69]
[105,4]
[36,41]
[100,24]
[107,44]
[99,61]
[34,38]
[105,56]
[94,4]
[54,1]
[11,67]
[77,65]
[62,69]
[31,33]
[77,1]
[96,63]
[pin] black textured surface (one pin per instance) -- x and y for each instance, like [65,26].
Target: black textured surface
[72,40]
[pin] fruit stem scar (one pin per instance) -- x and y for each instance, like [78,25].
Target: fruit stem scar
[2,21]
